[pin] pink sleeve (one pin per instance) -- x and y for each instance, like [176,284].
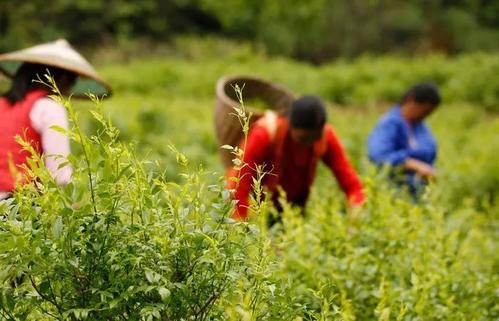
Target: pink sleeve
[44,114]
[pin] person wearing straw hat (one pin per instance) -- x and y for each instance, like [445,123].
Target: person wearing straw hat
[27,111]
[290,147]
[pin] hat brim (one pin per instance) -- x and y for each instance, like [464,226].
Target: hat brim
[86,82]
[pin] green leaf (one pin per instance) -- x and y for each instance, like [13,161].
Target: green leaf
[57,227]
[164,293]
[152,277]
[59,129]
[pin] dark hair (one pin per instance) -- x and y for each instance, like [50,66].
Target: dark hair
[23,80]
[307,112]
[423,93]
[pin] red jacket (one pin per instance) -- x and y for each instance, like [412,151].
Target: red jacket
[15,121]
[292,165]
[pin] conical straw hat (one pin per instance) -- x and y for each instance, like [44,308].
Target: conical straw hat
[58,54]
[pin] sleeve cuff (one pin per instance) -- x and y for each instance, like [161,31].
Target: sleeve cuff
[357,198]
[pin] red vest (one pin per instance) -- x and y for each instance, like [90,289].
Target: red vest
[278,153]
[278,127]
[15,121]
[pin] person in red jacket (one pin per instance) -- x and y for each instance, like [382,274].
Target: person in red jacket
[290,147]
[27,111]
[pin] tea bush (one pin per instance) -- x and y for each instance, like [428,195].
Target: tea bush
[143,232]
[123,243]
[360,82]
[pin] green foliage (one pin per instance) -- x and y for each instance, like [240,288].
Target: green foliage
[314,30]
[27,22]
[362,82]
[123,243]
[395,260]
[143,230]
[371,80]
[318,30]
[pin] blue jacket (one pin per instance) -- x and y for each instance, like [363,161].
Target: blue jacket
[393,140]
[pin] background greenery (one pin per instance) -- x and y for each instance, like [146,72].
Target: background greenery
[315,30]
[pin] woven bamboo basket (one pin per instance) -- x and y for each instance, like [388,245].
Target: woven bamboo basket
[227,126]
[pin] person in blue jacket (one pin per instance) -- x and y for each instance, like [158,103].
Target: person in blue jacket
[402,139]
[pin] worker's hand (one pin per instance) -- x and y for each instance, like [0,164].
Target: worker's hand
[354,218]
[421,168]
[354,209]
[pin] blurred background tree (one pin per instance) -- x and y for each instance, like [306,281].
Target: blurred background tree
[313,30]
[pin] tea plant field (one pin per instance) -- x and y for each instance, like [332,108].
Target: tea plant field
[143,231]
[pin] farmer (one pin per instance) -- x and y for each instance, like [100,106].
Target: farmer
[26,110]
[289,147]
[402,139]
